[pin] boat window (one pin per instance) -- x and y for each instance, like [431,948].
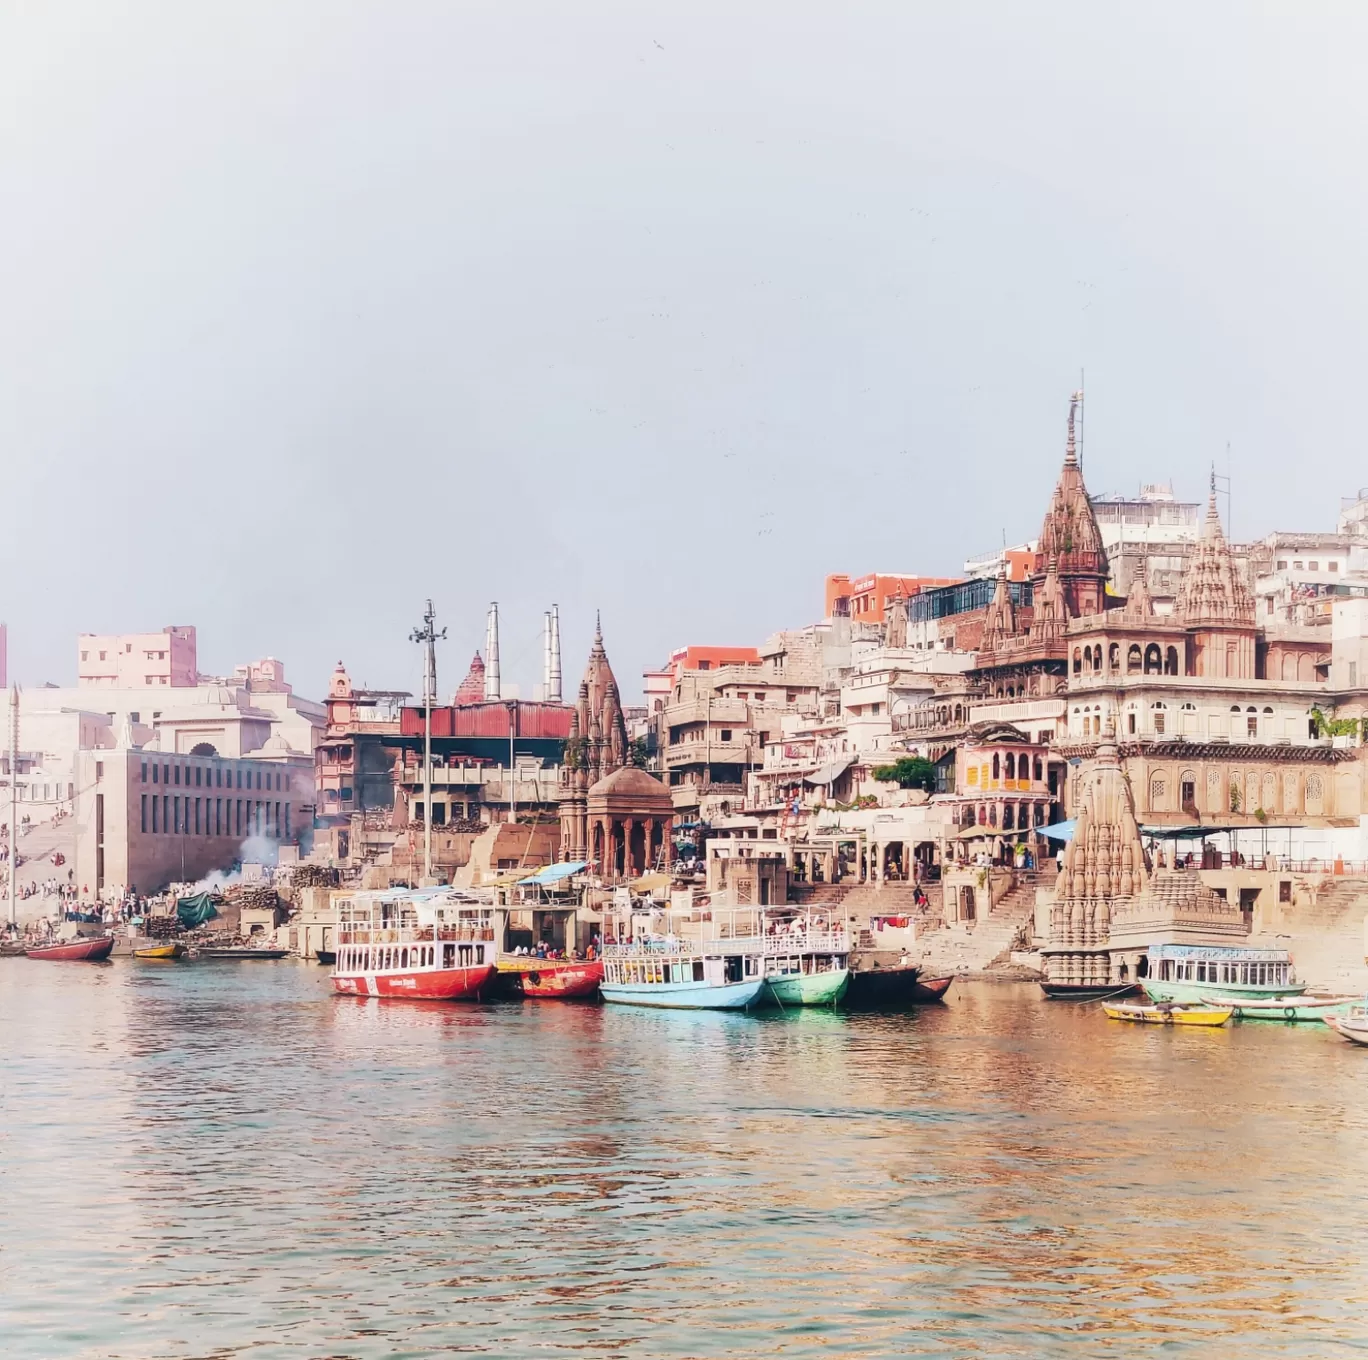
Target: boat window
[698,970]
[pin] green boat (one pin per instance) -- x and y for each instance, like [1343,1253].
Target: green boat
[823,988]
[807,956]
[1211,973]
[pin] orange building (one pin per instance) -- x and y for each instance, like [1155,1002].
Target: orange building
[864,597]
[710,658]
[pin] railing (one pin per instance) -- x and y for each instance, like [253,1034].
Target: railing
[413,934]
[795,942]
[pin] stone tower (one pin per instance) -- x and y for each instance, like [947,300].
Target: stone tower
[1071,537]
[597,746]
[1217,605]
[1103,865]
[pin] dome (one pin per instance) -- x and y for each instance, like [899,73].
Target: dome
[629,782]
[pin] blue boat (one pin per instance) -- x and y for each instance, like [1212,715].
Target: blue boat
[682,975]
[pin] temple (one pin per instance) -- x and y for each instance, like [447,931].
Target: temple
[613,816]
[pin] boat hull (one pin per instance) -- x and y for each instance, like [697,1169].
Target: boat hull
[560,980]
[255,954]
[809,989]
[1296,1008]
[1195,993]
[1207,1016]
[1076,991]
[160,951]
[432,984]
[74,951]
[328,956]
[686,996]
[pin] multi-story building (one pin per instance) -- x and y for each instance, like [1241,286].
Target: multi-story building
[146,818]
[164,660]
[866,599]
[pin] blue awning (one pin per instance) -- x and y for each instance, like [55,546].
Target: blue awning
[1060,831]
[554,873]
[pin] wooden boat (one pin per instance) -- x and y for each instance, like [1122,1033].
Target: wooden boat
[172,950]
[894,989]
[550,979]
[90,949]
[13,949]
[1077,991]
[1182,1014]
[424,944]
[1286,1009]
[1193,973]
[1353,1025]
[328,956]
[244,951]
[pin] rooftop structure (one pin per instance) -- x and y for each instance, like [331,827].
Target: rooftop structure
[138,660]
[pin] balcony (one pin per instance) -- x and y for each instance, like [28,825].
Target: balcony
[710,753]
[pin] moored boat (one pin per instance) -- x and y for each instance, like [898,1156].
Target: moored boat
[172,949]
[550,979]
[425,944]
[1193,973]
[328,956]
[807,961]
[684,975]
[240,951]
[893,989]
[1352,1024]
[1078,991]
[1296,1007]
[88,949]
[1187,1013]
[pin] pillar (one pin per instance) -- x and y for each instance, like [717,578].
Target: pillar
[628,832]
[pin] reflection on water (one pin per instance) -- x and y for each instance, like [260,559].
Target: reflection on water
[202,1159]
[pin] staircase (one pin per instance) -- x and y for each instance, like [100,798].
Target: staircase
[986,944]
[1326,939]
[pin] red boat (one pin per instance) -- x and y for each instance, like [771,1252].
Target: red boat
[90,950]
[552,979]
[429,944]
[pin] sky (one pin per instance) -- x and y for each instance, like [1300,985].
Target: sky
[314,310]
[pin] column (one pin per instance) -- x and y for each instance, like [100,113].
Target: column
[628,861]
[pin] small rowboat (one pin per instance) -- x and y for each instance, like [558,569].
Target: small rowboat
[241,952]
[1285,1008]
[1353,1027]
[173,950]
[93,949]
[1167,1015]
[893,989]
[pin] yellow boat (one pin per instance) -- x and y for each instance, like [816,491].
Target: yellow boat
[1167,1014]
[160,951]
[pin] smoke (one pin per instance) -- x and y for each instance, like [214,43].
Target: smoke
[254,850]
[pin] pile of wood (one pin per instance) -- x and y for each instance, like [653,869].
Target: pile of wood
[314,876]
[260,895]
[161,927]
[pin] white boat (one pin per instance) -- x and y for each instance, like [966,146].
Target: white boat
[682,975]
[1353,1025]
[1220,974]
[1292,1007]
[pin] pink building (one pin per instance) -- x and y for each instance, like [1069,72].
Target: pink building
[138,660]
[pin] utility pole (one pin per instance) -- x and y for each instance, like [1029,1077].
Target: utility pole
[512,785]
[429,637]
[14,808]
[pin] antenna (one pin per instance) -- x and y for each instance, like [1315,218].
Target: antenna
[429,637]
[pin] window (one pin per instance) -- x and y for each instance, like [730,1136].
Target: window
[144,814]
[1282,564]
[1313,566]
[154,774]
[85,656]
[1332,566]
[1298,566]
[198,770]
[102,656]
[143,780]
[178,770]
[1252,725]
[1130,724]
[726,734]
[99,769]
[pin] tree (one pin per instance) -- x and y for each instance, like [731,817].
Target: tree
[639,754]
[908,772]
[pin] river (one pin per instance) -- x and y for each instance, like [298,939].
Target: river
[213,1159]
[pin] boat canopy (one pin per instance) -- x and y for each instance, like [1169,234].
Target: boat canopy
[554,873]
[1215,951]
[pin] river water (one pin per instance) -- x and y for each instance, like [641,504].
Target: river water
[215,1159]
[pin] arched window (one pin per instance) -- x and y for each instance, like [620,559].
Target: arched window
[1039,771]
[1114,657]
[1078,661]
[1187,790]
[1158,793]
[1007,818]
[992,814]
[1133,657]
[1011,766]
[983,815]
[1171,661]
[997,766]
[1154,661]
[1097,657]
[1160,718]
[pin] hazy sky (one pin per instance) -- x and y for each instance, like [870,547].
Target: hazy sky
[310,310]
